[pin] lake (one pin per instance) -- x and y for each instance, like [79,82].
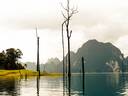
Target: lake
[112,84]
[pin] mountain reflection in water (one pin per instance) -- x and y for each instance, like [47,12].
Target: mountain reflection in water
[112,84]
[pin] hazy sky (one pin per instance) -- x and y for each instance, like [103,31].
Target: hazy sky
[104,20]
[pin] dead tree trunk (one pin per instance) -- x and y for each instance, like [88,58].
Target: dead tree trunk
[69,13]
[38,63]
[83,75]
[64,79]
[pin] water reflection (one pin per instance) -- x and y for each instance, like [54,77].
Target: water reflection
[8,86]
[38,85]
[95,85]
[113,84]
[98,85]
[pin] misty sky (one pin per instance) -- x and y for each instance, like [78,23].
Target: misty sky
[104,20]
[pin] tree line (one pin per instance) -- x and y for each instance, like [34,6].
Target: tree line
[9,59]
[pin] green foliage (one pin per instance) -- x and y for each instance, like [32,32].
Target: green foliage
[9,59]
[2,59]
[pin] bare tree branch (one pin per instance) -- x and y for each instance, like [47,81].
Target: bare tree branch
[70,34]
[64,15]
[69,12]
[63,7]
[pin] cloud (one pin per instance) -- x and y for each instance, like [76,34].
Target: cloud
[104,20]
[26,14]
[121,43]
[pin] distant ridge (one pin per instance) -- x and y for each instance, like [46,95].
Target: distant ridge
[99,57]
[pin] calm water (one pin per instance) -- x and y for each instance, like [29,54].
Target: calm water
[95,85]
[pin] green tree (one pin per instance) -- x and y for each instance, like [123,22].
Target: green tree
[2,60]
[12,56]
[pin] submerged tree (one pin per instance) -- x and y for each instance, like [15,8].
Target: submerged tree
[67,14]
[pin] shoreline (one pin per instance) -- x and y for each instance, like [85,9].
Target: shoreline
[18,73]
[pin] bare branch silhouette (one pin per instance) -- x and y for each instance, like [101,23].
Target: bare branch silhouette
[69,12]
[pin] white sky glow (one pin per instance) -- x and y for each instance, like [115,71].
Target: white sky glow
[104,20]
